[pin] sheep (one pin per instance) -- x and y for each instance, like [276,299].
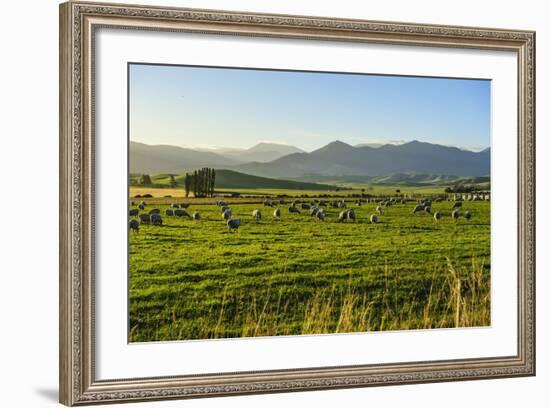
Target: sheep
[418,208]
[437,216]
[196,216]
[306,206]
[169,213]
[456,205]
[233,224]
[221,203]
[143,203]
[145,218]
[154,211]
[156,219]
[133,212]
[313,211]
[141,207]
[346,215]
[374,218]
[342,216]
[134,226]
[467,215]
[173,205]
[320,215]
[277,213]
[257,214]
[379,210]
[185,205]
[428,209]
[268,203]
[293,209]
[225,208]
[322,203]
[455,214]
[226,214]
[181,213]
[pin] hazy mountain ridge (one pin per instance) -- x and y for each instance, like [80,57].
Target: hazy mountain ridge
[341,159]
[261,152]
[336,159]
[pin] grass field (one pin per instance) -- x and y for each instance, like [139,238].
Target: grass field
[296,275]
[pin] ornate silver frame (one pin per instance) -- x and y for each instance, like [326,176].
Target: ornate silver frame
[78,21]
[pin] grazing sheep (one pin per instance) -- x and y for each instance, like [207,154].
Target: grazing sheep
[169,213]
[145,218]
[156,219]
[181,213]
[133,212]
[428,209]
[457,204]
[313,211]
[196,216]
[226,214]
[224,208]
[467,215]
[141,207]
[455,214]
[185,205]
[233,224]
[374,218]
[437,216]
[268,203]
[293,209]
[346,215]
[257,214]
[143,203]
[277,213]
[173,205]
[418,208]
[321,215]
[154,211]
[306,206]
[134,226]
[379,210]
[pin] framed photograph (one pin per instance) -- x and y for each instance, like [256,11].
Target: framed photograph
[256,203]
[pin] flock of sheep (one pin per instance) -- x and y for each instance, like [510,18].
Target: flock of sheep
[315,208]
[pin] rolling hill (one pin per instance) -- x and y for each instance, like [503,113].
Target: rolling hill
[229,179]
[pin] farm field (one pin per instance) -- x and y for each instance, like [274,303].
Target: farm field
[297,275]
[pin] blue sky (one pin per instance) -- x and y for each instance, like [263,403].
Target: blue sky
[209,107]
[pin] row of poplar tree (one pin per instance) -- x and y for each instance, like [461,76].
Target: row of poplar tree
[200,182]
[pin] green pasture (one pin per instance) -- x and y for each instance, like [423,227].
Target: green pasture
[297,275]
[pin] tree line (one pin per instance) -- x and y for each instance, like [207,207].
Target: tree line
[200,182]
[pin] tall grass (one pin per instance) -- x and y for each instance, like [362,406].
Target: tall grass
[452,297]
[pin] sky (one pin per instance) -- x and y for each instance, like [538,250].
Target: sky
[228,107]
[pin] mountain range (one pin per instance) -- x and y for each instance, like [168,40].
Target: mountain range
[336,159]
